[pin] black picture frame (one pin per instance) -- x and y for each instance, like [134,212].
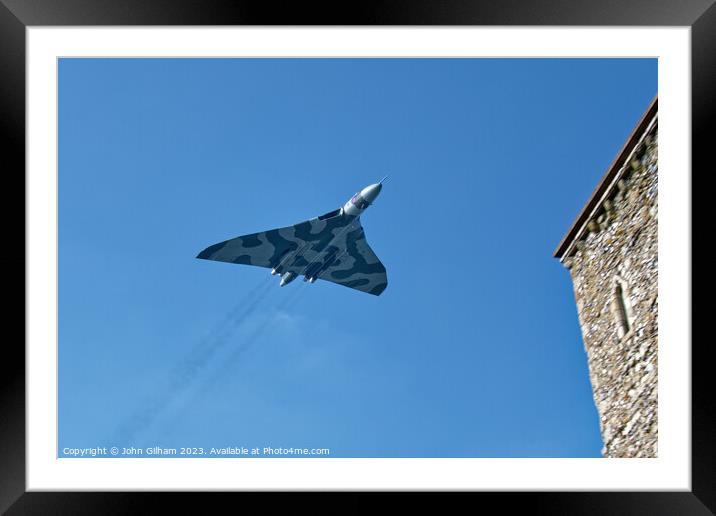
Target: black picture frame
[17,15]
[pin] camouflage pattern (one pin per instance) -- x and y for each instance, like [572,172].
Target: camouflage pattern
[331,247]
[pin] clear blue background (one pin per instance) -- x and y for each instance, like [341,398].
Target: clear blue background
[474,349]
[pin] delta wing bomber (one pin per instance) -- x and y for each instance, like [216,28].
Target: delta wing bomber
[331,247]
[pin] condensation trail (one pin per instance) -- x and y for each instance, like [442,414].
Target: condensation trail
[187,369]
[229,363]
[197,359]
[231,314]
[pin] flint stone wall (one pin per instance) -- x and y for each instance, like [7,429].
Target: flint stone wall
[621,249]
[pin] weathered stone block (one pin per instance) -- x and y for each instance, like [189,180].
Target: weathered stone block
[615,280]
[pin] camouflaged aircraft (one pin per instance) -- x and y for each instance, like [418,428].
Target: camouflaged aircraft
[331,247]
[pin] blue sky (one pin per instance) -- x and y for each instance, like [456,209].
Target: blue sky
[474,349]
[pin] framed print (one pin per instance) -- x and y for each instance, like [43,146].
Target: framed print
[313,251]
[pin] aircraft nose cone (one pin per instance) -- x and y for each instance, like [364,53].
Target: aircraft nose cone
[369,193]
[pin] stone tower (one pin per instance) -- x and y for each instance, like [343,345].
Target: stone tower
[611,254]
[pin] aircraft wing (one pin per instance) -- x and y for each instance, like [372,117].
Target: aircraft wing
[262,249]
[267,248]
[355,266]
[358,267]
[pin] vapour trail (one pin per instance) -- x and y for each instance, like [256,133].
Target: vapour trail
[229,363]
[187,369]
[230,316]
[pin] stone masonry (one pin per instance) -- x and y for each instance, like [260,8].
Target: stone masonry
[613,263]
